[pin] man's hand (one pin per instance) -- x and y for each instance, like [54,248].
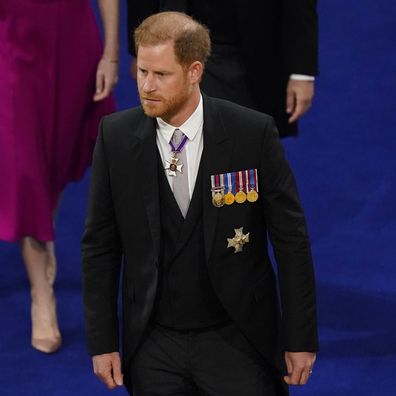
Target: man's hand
[107,368]
[299,367]
[106,78]
[299,96]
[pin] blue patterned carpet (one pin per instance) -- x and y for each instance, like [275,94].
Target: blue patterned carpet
[345,165]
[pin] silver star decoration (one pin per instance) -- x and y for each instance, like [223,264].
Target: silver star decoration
[239,240]
[172,167]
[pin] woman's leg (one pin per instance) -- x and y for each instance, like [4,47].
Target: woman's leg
[51,262]
[45,332]
[50,247]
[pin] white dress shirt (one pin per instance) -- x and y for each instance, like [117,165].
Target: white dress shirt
[192,128]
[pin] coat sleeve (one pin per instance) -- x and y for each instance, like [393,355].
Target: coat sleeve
[300,36]
[101,258]
[289,238]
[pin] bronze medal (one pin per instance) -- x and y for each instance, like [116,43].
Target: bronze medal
[218,199]
[252,196]
[217,187]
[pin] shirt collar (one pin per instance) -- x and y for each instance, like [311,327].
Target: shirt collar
[190,127]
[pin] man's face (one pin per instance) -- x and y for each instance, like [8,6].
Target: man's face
[164,86]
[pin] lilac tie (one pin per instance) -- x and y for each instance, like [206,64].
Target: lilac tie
[180,182]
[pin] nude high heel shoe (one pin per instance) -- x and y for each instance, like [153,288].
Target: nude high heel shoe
[45,331]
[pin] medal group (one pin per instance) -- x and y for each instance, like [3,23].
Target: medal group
[238,187]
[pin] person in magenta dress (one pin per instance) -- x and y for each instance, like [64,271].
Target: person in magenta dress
[56,79]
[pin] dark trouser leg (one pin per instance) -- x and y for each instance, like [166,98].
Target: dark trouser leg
[225,363]
[161,365]
[216,362]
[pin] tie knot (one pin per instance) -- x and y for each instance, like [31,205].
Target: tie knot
[177,137]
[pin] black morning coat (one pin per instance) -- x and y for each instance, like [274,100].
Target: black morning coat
[275,38]
[122,233]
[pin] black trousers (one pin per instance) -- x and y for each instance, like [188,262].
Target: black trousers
[212,362]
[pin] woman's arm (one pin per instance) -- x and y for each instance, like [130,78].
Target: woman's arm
[107,71]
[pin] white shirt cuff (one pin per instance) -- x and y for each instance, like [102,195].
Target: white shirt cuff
[301,77]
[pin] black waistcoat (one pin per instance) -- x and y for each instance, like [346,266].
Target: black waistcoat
[185,298]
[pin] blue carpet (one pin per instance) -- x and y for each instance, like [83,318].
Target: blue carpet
[345,165]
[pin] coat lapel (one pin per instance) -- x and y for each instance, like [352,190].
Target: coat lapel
[216,159]
[145,147]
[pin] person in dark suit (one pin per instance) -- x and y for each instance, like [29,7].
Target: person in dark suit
[184,190]
[264,53]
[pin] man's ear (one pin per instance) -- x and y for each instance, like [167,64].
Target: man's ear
[195,72]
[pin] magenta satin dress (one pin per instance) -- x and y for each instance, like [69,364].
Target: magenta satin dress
[49,50]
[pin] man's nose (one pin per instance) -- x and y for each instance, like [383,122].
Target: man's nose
[149,83]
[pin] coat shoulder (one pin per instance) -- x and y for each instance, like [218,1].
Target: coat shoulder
[232,109]
[122,121]
[241,120]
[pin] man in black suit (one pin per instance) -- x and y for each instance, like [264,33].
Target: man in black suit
[184,190]
[264,53]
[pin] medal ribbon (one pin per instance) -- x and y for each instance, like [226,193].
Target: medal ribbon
[217,182]
[247,181]
[236,179]
[226,182]
[252,180]
[230,183]
[180,146]
[240,181]
[234,182]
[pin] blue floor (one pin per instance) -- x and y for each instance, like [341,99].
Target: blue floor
[345,164]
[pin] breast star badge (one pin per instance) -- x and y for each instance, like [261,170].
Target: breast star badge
[239,240]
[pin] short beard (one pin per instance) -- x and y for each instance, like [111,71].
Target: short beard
[170,108]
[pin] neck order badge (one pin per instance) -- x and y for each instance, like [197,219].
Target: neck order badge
[177,143]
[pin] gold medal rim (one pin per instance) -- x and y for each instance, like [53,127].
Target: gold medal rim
[240,197]
[229,198]
[252,196]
